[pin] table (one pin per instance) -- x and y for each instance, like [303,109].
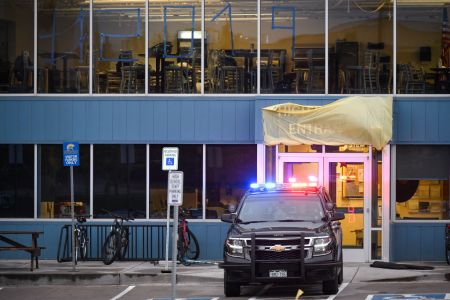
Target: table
[34,249]
[65,56]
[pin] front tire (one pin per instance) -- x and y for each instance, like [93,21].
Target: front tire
[331,287]
[110,248]
[230,289]
[83,245]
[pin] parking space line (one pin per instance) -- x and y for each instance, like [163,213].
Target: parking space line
[341,288]
[124,292]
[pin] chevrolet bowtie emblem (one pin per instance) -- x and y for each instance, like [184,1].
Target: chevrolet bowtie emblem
[277,248]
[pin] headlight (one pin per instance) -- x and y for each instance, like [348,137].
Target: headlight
[322,245]
[235,247]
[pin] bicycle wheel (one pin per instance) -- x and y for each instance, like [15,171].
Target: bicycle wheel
[447,253]
[77,244]
[181,255]
[192,250]
[123,243]
[110,248]
[83,244]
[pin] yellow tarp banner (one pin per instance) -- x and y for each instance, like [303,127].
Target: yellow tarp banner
[358,120]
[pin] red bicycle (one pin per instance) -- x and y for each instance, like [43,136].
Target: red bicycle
[188,248]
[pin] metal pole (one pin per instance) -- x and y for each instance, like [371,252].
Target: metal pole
[72,206]
[174,251]
[166,269]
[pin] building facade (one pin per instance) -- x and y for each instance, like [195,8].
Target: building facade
[127,78]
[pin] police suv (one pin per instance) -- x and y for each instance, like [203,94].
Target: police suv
[283,233]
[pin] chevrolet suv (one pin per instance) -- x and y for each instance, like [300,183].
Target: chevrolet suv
[283,234]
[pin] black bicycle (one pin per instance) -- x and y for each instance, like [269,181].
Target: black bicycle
[187,245]
[116,243]
[81,239]
[447,243]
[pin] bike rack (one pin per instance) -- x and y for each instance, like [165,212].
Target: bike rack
[145,242]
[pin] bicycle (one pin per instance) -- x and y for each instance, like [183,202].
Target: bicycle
[187,245]
[81,238]
[447,243]
[116,243]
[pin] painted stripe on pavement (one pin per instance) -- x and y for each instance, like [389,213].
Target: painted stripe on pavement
[341,288]
[409,296]
[124,292]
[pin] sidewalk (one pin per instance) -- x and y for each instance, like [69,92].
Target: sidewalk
[17,272]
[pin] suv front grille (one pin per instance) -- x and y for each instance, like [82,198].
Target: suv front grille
[271,255]
[283,241]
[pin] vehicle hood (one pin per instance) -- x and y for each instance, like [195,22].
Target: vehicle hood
[279,228]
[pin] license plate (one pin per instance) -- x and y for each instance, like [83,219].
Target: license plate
[277,273]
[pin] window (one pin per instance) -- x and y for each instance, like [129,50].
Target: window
[190,159]
[292,47]
[63,43]
[16,181]
[16,46]
[119,47]
[422,189]
[231,46]
[54,183]
[360,42]
[422,48]
[230,169]
[119,180]
[174,47]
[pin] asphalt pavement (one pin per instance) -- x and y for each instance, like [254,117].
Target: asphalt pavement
[50,272]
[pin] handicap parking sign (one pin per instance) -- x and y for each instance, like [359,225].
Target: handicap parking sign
[170,161]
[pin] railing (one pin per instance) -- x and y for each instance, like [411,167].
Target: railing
[145,242]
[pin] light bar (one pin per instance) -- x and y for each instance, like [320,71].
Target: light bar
[254,186]
[270,185]
[292,179]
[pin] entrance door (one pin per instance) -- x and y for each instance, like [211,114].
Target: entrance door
[347,179]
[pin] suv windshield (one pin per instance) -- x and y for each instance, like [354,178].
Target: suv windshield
[280,207]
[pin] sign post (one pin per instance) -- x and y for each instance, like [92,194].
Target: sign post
[71,158]
[169,162]
[175,198]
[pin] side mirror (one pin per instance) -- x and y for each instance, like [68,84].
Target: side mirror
[337,216]
[330,206]
[228,218]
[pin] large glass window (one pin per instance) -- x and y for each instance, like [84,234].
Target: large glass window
[16,181]
[360,41]
[422,189]
[423,45]
[54,183]
[16,46]
[119,180]
[230,169]
[174,47]
[63,44]
[292,46]
[231,46]
[119,47]
[190,161]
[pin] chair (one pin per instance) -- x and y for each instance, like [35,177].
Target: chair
[131,81]
[314,77]
[371,72]
[174,80]
[228,79]
[411,81]
[22,73]
[82,79]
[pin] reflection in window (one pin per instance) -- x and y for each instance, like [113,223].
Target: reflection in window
[16,181]
[174,47]
[230,169]
[422,188]
[119,50]
[231,39]
[63,44]
[292,47]
[422,48]
[119,184]
[190,160]
[360,41]
[54,182]
[16,46]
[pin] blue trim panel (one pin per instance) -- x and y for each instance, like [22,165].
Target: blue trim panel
[211,237]
[417,242]
[186,120]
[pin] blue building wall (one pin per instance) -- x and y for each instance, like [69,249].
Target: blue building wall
[210,120]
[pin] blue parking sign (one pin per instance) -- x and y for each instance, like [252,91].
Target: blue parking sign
[71,154]
[170,161]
